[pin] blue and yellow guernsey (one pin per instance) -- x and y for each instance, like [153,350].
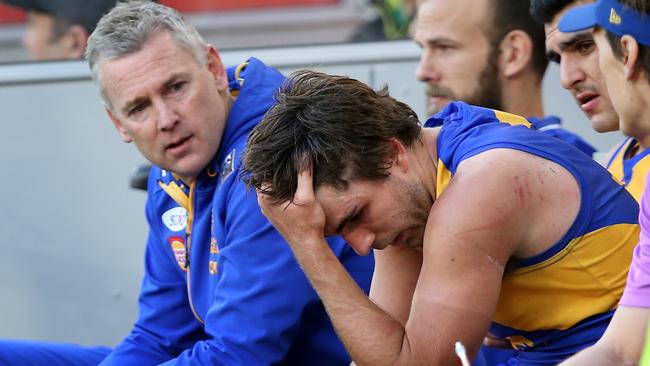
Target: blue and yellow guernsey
[630,172]
[560,301]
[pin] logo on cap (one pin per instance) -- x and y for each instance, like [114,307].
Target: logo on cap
[614,18]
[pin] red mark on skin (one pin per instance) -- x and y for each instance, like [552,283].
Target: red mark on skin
[519,190]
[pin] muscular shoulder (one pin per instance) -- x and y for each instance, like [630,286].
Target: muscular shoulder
[531,201]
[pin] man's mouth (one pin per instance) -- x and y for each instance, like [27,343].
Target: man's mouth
[177,144]
[587,101]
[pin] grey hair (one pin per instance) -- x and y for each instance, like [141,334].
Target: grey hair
[129,25]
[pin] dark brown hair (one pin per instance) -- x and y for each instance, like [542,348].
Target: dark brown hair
[509,15]
[338,126]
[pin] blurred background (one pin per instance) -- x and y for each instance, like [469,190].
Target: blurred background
[72,230]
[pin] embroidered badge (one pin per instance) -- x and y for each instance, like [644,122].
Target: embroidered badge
[228,165]
[175,218]
[614,18]
[178,248]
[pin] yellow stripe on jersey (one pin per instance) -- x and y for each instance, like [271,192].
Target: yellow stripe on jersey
[587,277]
[511,119]
[636,182]
[443,177]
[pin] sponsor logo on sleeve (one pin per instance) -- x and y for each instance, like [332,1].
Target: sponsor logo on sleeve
[177,244]
[175,218]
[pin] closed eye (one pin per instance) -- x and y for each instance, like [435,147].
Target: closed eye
[352,221]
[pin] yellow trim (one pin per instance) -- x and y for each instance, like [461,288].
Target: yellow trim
[614,18]
[177,194]
[190,213]
[585,278]
[520,342]
[188,239]
[636,185]
[443,178]
[238,71]
[511,119]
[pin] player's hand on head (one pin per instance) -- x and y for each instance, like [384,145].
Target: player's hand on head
[300,220]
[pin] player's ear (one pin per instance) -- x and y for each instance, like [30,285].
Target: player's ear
[118,126]
[516,51]
[630,50]
[400,151]
[78,41]
[216,68]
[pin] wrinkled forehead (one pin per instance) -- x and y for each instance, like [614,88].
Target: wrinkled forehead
[340,203]
[153,64]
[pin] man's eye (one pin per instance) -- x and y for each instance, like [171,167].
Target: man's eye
[137,109]
[356,217]
[585,47]
[443,48]
[178,86]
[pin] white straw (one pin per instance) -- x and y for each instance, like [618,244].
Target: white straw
[462,354]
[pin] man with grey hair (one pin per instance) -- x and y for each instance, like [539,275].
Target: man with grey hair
[221,286]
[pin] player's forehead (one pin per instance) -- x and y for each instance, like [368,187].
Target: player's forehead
[450,19]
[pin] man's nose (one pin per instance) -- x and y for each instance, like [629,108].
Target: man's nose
[360,240]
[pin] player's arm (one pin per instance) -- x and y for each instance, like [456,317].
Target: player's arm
[622,342]
[261,294]
[165,325]
[394,279]
[469,238]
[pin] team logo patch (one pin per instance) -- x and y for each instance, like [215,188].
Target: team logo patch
[175,218]
[228,165]
[178,248]
[614,18]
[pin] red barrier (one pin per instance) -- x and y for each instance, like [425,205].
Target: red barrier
[11,14]
[207,5]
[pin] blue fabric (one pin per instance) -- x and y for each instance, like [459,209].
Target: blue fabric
[467,131]
[36,353]
[250,302]
[552,126]
[611,15]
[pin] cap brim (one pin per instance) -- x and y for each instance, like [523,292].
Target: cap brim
[579,18]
